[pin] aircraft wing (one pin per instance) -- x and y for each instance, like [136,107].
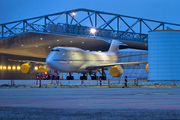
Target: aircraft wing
[131,55]
[29,61]
[98,66]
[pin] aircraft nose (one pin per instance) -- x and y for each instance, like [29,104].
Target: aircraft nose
[49,61]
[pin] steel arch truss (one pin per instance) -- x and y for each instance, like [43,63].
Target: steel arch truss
[80,21]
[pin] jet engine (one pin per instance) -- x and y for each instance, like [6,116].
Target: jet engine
[116,71]
[42,69]
[27,67]
[146,68]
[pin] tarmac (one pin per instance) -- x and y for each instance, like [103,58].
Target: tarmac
[87,84]
[89,103]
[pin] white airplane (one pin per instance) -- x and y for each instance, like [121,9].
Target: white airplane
[74,60]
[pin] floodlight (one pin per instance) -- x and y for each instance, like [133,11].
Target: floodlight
[93,30]
[74,13]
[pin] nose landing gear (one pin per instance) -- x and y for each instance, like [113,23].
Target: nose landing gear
[103,77]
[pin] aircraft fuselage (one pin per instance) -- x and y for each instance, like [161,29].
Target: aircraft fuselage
[69,59]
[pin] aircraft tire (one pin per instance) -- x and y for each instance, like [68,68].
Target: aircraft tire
[94,77]
[104,78]
[72,77]
[83,78]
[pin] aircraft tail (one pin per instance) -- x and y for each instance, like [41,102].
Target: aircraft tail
[114,46]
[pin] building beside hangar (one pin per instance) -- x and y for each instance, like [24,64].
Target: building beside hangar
[164,55]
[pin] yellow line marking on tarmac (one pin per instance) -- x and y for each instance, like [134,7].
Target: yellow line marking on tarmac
[152,94]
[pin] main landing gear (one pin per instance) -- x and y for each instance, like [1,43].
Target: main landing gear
[94,77]
[84,77]
[70,77]
[103,77]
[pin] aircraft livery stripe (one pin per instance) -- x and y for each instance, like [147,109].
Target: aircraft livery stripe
[78,60]
[65,60]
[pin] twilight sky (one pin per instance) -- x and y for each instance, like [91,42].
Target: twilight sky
[161,10]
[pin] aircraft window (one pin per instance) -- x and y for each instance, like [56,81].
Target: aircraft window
[55,50]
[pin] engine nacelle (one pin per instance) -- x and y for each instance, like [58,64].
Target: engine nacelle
[42,69]
[146,68]
[116,71]
[27,67]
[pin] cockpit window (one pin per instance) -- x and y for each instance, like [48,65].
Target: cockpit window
[55,50]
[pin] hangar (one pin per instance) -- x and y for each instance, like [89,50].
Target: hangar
[36,47]
[33,39]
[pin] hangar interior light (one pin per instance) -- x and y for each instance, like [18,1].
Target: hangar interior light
[36,68]
[4,67]
[18,67]
[9,67]
[13,67]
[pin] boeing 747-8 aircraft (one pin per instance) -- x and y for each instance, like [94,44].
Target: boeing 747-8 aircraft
[75,60]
